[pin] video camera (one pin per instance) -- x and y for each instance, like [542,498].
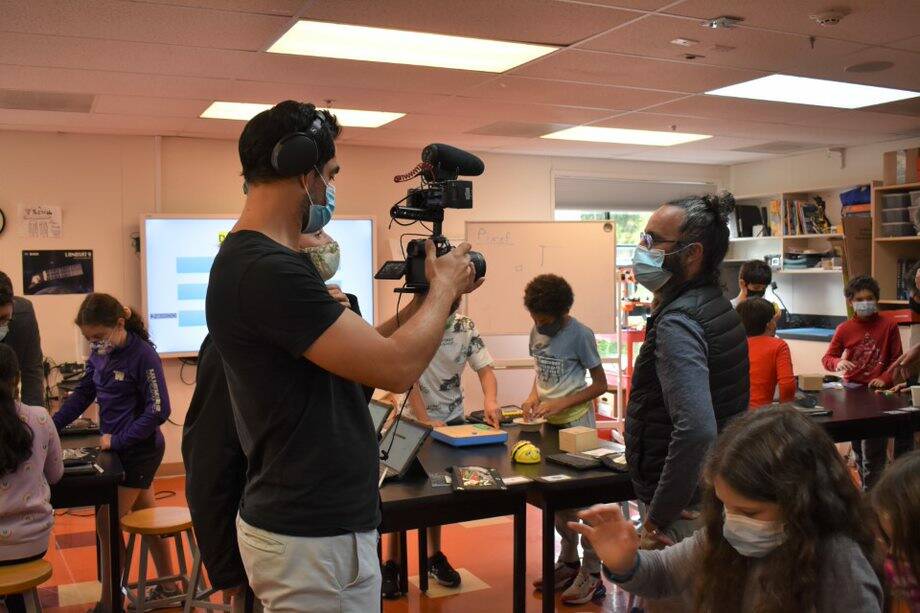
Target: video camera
[440,189]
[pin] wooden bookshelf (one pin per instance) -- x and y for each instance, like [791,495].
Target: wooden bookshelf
[888,250]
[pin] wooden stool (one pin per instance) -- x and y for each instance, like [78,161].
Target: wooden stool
[24,579]
[157,522]
[195,599]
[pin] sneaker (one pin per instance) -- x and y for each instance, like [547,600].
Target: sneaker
[390,586]
[158,592]
[441,571]
[585,588]
[564,575]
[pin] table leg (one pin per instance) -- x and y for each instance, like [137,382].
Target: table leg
[423,559]
[403,563]
[520,557]
[115,545]
[549,561]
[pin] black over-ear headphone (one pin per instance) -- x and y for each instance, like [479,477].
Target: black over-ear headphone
[297,153]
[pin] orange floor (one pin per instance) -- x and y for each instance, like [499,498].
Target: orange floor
[482,549]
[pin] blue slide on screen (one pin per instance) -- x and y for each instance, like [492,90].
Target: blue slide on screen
[179,253]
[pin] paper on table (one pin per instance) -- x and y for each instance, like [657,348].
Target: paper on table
[602,451]
[516,479]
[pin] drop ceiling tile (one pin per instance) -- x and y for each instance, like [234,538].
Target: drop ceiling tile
[135,21]
[107,104]
[760,131]
[117,56]
[522,89]
[867,21]
[909,44]
[542,146]
[719,107]
[697,157]
[497,110]
[736,47]
[882,123]
[625,70]
[532,21]
[910,107]
[285,8]
[42,78]
[642,5]
[902,75]
[83,122]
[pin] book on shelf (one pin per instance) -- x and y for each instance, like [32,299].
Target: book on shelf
[774,217]
[904,266]
[856,209]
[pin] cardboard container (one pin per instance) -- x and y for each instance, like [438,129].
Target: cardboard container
[811,383]
[901,166]
[577,439]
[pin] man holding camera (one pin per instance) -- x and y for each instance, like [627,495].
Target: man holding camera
[295,360]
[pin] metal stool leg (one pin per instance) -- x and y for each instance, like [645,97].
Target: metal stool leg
[192,593]
[31,601]
[180,555]
[141,602]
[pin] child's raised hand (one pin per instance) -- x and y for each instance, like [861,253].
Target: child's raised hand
[613,537]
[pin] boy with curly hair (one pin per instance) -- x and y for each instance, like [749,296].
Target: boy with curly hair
[564,352]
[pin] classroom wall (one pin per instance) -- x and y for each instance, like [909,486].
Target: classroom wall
[104,183]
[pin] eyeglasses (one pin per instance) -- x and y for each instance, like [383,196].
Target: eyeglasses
[647,240]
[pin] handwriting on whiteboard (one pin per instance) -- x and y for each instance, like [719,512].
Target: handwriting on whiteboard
[484,237]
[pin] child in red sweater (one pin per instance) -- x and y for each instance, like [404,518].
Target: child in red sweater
[872,344]
[771,362]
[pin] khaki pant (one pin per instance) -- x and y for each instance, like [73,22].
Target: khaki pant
[291,574]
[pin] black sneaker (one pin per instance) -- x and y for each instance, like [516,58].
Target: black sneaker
[441,571]
[390,584]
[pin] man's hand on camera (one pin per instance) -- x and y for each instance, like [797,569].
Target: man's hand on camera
[453,271]
[338,295]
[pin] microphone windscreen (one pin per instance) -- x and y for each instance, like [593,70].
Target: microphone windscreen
[451,159]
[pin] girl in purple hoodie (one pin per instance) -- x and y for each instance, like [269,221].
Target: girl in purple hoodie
[124,376]
[30,459]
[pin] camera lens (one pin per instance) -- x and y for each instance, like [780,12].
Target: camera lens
[479,264]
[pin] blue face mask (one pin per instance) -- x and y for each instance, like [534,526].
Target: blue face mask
[4,330]
[647,266]
[320,214]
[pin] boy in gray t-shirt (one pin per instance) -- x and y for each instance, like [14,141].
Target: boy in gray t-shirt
[565,352]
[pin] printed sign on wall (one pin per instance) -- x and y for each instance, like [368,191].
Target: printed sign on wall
[57,272]
[39,221]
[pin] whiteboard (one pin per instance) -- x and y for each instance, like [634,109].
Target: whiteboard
[583,252]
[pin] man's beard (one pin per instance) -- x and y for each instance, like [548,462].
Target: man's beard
[674,264]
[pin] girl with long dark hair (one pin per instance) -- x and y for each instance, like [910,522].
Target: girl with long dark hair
[785,528]
[896,502]
[30,460]
[124,376]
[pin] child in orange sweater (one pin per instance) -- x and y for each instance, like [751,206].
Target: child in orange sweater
[771,362]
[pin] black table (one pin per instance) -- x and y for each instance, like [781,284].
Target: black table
[94,491]
[860,413]
[413,503]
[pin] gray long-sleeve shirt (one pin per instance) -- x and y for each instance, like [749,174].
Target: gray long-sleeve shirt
[846,581]
[681,357]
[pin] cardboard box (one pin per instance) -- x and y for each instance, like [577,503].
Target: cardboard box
[811,383]
[577,439]
[901,166]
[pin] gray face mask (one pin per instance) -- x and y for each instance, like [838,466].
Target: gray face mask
[4,330]
[752,538]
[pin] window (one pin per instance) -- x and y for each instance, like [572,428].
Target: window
[628,224]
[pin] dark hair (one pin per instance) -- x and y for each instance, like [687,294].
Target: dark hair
[780,456]
[263,132]
[756,314]
[6,289]
[860,283]
[897,497]
[15,436]
[911,281]
[706,222]
[549,295]
[756,272]
[104,310]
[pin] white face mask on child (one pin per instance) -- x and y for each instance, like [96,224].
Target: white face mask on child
[752,538]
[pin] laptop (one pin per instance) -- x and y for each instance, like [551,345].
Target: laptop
[380,411]
[399,447]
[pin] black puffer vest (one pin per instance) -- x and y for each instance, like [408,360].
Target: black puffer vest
[648,422]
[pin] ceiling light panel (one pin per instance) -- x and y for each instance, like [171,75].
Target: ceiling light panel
[623,136]
[348,42]
[351,118]
[816,92]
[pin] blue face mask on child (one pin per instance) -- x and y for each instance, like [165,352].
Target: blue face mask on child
[865,308]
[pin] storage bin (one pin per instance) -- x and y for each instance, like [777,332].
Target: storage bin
[861,194]
[903,214]
[895,201]
[900,228]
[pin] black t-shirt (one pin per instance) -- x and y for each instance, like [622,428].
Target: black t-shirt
[307,434]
